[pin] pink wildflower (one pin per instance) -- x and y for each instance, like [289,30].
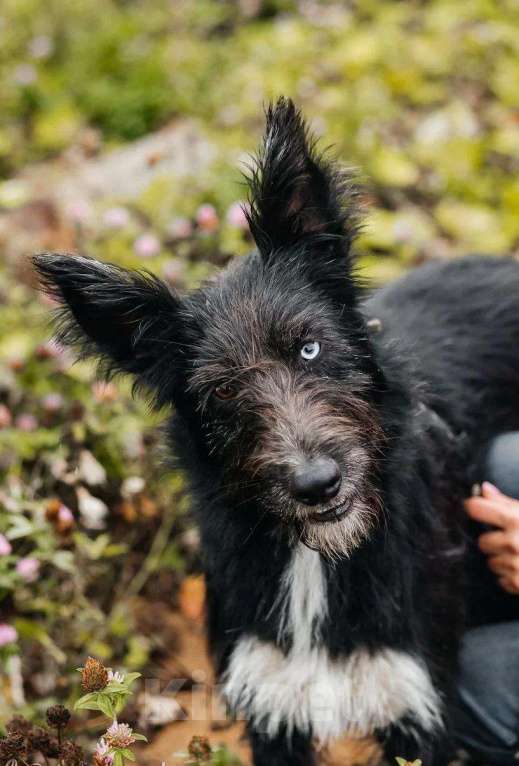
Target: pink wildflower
[5,416]
[79,211]
[119,735]
[147,245]
[8,634]
[53,402]
[179,228]
[207,218]
[116,217]
[5,546]
[49,350]
[26,422]
[28,569]
[174,271]
[102,754]
[104,392]
[236,216]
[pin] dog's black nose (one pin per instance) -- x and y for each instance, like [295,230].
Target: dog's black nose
[316,481]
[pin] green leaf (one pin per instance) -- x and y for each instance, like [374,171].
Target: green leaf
[114,687]
[129,678]
[85,699]
[64,560]
[140,737]
[106,706]
[119,705]
[89,706]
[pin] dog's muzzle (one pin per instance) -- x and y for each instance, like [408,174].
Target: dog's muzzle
[316,481]
[329,515]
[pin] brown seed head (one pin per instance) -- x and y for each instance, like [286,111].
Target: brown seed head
[94,675]
[39,740]
[72,754]
[12,746]
[18,725]
[200,749]
[58,716]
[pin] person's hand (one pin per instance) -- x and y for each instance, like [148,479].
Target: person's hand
[502,545]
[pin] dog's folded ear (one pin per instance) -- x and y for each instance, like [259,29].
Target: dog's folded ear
[125,319]
[298,197]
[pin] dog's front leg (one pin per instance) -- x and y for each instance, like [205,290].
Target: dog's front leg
[282,750]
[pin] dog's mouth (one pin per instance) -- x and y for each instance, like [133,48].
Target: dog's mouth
[331,515]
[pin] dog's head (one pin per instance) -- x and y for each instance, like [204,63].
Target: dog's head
[269,365]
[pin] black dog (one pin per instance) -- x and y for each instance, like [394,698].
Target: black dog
[327,461]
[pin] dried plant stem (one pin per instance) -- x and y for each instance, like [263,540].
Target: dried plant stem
[158,546]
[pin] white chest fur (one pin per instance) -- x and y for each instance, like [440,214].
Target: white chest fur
[313,693]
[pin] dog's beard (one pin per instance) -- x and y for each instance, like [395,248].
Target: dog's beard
[338,539]
[334,538]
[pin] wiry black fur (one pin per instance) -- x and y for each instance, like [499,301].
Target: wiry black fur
[421,397]
[320,199]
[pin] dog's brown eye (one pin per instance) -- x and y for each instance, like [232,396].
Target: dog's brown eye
[225,391]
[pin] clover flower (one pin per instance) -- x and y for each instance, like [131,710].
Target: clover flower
[119,736]
[115,676]
[102,755]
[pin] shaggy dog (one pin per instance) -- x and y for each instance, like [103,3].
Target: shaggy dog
[329,438]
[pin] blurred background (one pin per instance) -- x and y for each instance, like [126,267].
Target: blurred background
[124,129]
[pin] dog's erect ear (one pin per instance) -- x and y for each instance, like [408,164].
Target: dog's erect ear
[128,320]
[296,195]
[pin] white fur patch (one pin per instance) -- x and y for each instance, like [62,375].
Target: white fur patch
[307,690]
[328,698]
[303,598]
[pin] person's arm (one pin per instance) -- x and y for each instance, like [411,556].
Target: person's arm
[502,545]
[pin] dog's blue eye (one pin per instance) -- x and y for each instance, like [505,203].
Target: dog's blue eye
[310,350]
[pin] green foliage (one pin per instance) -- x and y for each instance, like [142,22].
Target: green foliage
[112,699]
[24,741]
[85,512]
[419,95]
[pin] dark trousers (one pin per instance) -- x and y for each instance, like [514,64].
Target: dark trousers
[486,714]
